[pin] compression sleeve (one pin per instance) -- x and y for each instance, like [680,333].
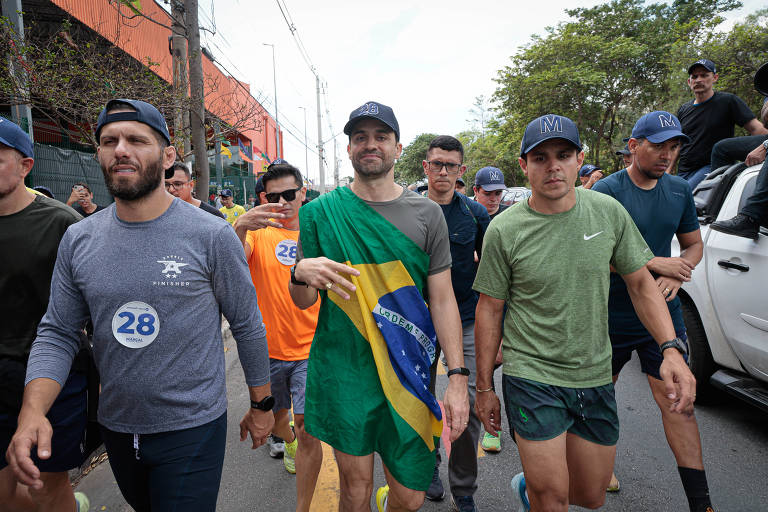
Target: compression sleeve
[236,296]
[58,334]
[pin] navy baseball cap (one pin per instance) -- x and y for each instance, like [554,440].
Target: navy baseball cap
[225,193]
[624,151]
[459,180]
[490,179]
[14,137]
[705,63]
[658,126]
[143,113]
[546,127]
[761,79]
[373,110]
[588,169]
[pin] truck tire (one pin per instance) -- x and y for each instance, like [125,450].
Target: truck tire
[700,359]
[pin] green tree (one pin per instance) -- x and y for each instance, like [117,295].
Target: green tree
[408,168]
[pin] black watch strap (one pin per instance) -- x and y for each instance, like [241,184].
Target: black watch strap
[265,404]
[459,371]
[296,281]
[676,343]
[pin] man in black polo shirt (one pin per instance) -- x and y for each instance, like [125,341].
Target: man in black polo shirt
[467,221]
[707,119]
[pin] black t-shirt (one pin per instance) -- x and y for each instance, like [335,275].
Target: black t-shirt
[210,209]
[708,123]
[502,207]
[29,242]
[79,209]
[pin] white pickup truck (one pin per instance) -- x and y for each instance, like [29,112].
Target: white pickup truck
[725,305]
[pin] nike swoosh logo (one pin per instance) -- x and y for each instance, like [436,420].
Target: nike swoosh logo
[590,237]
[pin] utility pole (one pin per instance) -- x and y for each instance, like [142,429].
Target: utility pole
[274,82]
[197,109]
[21,111]
[319,136]
[335,164]
[180,80]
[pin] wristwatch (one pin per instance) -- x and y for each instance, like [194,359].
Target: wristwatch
[296,281]
[266,403]
[460,371]
[675,343]
[765,145]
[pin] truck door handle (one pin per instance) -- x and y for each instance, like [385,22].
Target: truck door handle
[736,266]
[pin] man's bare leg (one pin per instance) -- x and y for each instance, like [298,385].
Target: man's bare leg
[55,496]
[282,426]
[548,466]
[355,481]
[401,498]
[309,458]
[681,430]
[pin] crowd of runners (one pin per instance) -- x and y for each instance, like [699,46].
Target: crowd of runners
[341,308]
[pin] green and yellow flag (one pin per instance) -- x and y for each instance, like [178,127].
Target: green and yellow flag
[368,379]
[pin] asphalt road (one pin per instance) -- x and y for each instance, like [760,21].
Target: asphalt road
[734,436]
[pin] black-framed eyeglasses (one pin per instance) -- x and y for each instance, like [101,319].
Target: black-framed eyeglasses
[175,184]
[288,195]
[436,166]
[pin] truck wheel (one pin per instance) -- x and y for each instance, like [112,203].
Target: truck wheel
[700,359]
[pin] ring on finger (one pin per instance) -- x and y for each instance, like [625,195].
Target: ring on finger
[666,291]
[328,285]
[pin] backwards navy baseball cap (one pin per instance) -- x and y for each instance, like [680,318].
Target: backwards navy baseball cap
[705,63]
[761,79]
[490,179]
[658,126]
[225,193]
[625,151]
[143,112]
[373,110]
[546,127]
[15,138]
[588,169]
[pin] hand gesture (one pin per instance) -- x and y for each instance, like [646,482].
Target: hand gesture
[260,217]
[322,273]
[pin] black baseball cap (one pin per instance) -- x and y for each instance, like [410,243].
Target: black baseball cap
[225,193]
[705,63]
[373,110]
[143,113]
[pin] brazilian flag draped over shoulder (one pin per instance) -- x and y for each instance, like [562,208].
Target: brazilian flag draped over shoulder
[368,378]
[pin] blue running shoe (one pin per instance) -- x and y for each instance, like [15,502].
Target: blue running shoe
[518,491]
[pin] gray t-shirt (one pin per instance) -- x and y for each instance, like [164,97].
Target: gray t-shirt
[155,291]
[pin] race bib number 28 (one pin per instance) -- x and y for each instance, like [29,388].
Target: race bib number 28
[135,324]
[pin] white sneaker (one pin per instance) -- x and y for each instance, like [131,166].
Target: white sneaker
[276,447]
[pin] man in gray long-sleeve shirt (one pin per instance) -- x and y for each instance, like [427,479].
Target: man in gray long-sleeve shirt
[154,274]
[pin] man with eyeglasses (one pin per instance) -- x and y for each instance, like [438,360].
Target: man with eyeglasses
[269,234]
[180,184]
[467,221]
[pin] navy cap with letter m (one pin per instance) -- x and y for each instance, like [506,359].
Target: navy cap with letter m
[546,127]
[658,126]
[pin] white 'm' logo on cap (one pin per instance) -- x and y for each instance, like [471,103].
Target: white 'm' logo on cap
[495,175]
[667,121]
[550,124]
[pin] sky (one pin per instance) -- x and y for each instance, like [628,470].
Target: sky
[427,60]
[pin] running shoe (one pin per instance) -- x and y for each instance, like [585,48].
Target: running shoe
[381,498]
[435,491]
[276,446]
[491,443]
[518,491]
[463,504]
[289,457]
[82,502]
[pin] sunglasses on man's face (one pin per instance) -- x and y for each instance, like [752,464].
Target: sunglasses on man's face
[288,195]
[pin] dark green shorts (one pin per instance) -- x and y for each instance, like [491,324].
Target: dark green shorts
[539,412]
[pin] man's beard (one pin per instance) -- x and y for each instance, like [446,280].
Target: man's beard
[650,174]
[149,179]
[372,171]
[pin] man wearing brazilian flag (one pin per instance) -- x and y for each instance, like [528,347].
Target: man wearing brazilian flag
[377,254]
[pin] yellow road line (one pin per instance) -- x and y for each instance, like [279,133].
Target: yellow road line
[326,497]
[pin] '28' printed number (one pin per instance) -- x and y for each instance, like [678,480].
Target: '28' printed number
[145,326]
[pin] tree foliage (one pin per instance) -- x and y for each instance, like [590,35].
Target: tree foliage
[408,168]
